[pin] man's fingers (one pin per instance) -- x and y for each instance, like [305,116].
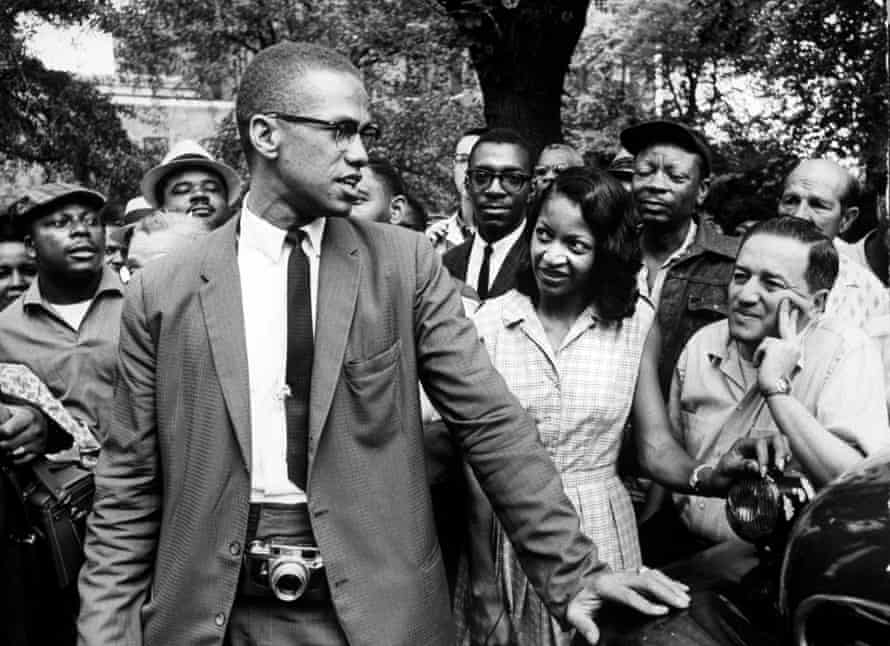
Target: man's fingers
[630,597]
[781,451]
[580,614]
[762,448]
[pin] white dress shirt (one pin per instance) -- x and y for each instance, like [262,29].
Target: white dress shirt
[262,263]
[499,251]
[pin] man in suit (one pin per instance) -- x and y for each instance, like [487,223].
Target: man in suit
[268,394]
[498,183]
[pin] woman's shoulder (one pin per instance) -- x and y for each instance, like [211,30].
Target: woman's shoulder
[502,312]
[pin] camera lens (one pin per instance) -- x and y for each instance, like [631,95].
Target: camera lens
[288,579]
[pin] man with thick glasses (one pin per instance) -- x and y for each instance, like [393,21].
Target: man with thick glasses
[264,480]
[553,160]
[498,182]
[65,329]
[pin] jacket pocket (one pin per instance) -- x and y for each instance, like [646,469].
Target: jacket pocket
[375,396]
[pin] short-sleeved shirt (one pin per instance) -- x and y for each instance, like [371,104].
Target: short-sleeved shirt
[78,366]
[715,400]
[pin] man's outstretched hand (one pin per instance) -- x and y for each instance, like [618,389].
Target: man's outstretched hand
[648,591]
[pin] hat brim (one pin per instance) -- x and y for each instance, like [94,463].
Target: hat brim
[152,178]
[637,138]
[80,195]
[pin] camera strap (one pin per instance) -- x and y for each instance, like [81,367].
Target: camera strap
[253,519]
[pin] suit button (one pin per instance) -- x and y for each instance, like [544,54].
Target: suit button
[220,619]
[235,548]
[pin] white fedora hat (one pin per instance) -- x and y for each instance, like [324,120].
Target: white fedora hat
[183,154]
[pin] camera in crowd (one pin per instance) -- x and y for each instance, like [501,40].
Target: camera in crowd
[287,571]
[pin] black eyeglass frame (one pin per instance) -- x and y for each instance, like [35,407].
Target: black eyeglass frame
[345,130]
[489,175]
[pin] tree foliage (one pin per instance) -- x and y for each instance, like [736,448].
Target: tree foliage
[409,52]
[769,80]
[54,119]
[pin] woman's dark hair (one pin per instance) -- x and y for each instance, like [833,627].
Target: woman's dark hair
[608,210]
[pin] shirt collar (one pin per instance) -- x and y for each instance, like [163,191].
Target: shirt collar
[504,244]
[110,282]
[518,307]
[264,237]
[727,359]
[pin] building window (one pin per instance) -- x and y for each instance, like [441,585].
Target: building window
[601,5]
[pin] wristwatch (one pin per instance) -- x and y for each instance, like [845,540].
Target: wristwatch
[695,477]
[781,387]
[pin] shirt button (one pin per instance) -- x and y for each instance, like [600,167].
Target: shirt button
[701,505]
[220,619]
[235,548]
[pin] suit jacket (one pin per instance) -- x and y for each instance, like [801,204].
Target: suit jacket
[457,259]
[165,538]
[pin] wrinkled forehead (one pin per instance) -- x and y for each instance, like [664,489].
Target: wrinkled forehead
[817,181]
[192,174]
[668,154]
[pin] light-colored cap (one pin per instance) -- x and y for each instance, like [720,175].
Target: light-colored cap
[188,154]
[136,209]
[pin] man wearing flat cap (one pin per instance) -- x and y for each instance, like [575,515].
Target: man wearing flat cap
[188,180]
[65,329]
[687,262]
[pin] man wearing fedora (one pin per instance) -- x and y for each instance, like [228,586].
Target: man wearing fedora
[65,329]
[188,180]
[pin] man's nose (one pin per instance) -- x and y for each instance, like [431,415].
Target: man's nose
[17,278]
[356,154]
[496,186]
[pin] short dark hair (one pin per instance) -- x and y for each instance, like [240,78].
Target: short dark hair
[502,136]
[112,214]
[268,83]
[477,131]
[608,210]
[386,173]
[9,232]
[822,261]
[420,218]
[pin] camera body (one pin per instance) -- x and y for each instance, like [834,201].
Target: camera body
[286,571]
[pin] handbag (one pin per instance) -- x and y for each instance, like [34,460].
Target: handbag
[57,501]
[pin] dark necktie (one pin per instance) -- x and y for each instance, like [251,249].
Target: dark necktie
[298,370]
[482,283]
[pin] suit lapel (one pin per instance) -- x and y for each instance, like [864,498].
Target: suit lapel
[506,278]
[338,283]
[458,259]
[224,317]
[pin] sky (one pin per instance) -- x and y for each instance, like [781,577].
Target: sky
[81,49]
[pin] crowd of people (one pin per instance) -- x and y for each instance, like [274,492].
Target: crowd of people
[322,419]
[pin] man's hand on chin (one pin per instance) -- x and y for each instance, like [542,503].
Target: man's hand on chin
[648,591]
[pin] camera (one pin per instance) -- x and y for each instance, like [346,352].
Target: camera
[287,571]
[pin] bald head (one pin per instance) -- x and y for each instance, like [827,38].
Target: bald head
[823,192]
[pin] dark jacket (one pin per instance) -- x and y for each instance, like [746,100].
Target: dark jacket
[694,293]
[457,259]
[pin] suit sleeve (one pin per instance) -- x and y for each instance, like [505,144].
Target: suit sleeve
[122,530]
[499,441]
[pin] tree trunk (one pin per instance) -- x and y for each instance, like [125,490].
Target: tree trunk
[521,56]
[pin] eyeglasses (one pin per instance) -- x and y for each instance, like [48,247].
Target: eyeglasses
[511,181]
[344,131]
[91,220]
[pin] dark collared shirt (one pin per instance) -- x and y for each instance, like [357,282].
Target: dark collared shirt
[78,366]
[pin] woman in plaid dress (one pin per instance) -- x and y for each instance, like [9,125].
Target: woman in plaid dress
[568,341]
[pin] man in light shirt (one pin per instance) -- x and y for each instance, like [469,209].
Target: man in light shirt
[268,405]
[777,365]
[824,193]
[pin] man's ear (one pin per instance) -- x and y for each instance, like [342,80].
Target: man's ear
[703,188]
[848,217]
[29,247]
[820,298]
[265,136]
[398,207]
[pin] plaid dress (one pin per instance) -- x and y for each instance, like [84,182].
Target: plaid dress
[580,396]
